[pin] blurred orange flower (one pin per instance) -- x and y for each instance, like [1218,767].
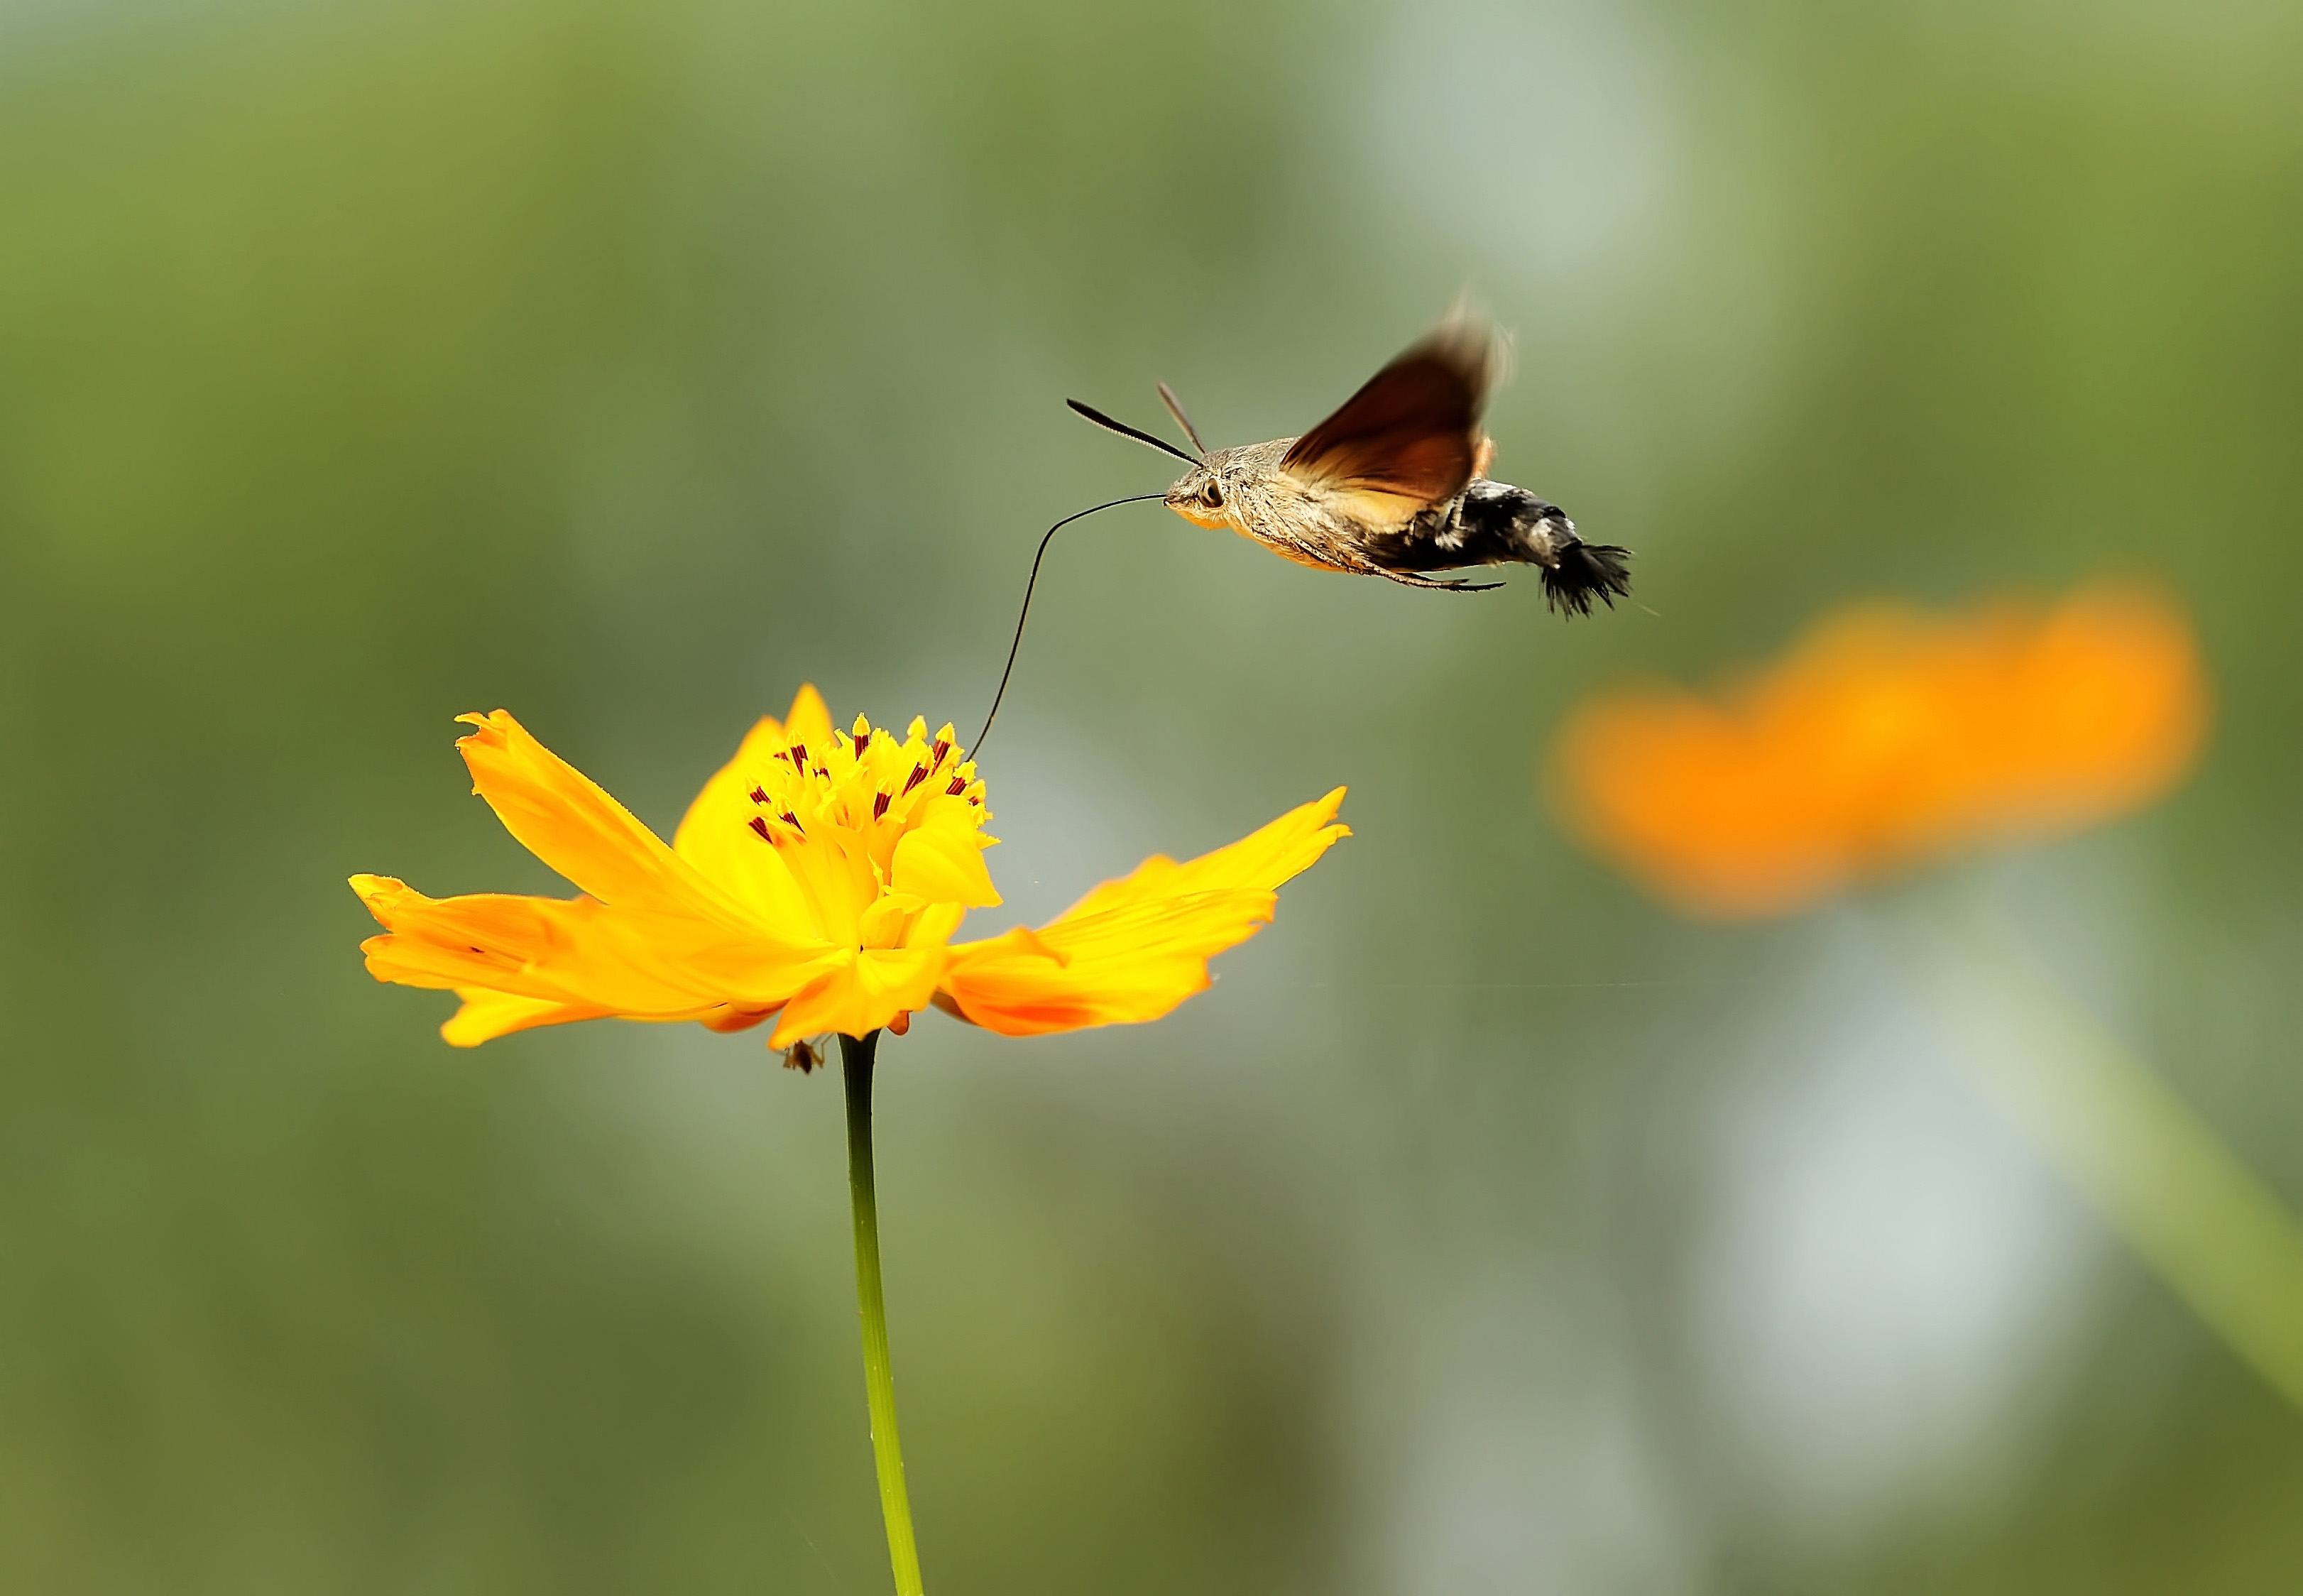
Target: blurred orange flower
[817,881]
[1885,738]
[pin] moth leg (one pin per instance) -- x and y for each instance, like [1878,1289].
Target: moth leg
[1408,580]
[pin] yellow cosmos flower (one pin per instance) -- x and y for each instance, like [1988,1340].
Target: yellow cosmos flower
[817,879]
[1885,738]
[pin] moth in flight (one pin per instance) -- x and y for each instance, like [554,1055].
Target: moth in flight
[1394,484]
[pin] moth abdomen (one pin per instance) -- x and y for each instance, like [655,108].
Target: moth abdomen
[1494,523]
[1510,523]
[1575,572]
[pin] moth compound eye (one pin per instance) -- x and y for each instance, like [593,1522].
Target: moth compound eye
[1212,496]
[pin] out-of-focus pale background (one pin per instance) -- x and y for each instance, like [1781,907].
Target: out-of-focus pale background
[1485,1229]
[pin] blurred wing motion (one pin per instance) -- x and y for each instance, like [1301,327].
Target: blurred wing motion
[1410,439]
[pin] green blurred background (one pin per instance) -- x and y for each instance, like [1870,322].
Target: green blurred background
[1485,1228]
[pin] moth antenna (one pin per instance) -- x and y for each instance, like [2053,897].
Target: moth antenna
[1125,431]
[1033,580]
[1175,409]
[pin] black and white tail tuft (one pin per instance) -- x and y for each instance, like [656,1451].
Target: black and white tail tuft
[1586,572]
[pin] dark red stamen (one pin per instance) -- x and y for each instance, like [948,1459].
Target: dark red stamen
[759,795]
[861,737]
[760,826]
[958,785]
[792,820]
[919,774]
[880,807]
[938,751]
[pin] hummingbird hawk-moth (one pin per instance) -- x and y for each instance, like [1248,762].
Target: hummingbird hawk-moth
[1394,484]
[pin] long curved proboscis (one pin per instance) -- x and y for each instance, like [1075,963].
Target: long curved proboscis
[976,749]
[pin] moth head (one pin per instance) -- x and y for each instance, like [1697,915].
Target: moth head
[1202,495]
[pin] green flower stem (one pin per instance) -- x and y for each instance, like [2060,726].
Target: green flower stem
[855,1057]
[2169,1185]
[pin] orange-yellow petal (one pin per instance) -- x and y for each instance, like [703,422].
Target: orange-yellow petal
[725,1019]
[831,867]
[576,950]
[1134,948]
[941,859]
[1135,962]
[933,924]
[716,837]
[862,992]
[1265,859]
[488,1015]
[564,818]
[810,720]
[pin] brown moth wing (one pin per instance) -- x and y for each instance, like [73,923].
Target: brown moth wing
[1410,438]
